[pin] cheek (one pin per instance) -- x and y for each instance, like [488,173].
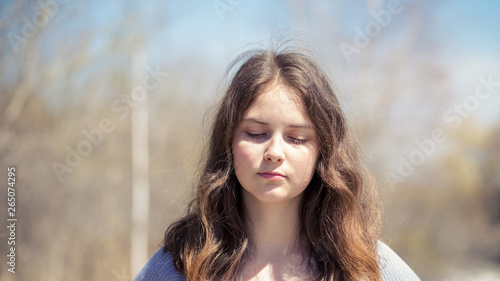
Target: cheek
[245,155]
[305,164]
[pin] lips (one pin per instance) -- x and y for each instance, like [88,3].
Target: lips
[272,175]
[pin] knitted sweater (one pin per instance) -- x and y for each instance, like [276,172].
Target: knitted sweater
[392,267]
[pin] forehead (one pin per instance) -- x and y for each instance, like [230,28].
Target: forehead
[278,103]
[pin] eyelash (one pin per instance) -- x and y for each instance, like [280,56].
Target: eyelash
[294,140]
[255,136]
[298,141]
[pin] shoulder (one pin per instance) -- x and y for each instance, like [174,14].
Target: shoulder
[159,267]
[392,267]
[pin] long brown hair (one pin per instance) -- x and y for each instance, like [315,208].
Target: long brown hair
[338,213]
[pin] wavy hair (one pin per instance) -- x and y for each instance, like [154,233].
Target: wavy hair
[339,216]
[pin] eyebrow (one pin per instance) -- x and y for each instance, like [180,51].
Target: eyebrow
[300,125]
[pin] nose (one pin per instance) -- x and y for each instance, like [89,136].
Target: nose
[274,152]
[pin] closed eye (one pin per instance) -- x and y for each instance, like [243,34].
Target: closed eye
[298,141]
[255,136]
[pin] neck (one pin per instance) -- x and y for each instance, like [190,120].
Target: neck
[274,226]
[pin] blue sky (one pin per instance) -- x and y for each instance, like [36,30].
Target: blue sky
[176,28]
[469,33]
[470,26]
[464,35]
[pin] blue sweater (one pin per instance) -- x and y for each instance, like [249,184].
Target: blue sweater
[392,267]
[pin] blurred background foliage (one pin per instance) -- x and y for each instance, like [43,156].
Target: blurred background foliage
[64,63]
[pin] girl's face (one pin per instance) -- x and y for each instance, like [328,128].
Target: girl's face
[275,147]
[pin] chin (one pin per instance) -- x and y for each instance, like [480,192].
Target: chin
[272,199]
[274,195]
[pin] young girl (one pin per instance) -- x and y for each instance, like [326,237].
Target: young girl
[282,195]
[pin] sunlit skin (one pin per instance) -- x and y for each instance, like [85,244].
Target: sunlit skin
[275,152]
